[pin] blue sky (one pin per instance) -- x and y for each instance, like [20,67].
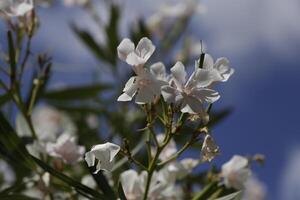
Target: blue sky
[261,38]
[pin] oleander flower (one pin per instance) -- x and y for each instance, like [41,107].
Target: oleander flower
[179,169]
[209,149]
[48,122]
[7,175]
[136,57]
[191,94]
[132,185]
[254,189]
[236,172]
[104,153]
[75,2]
[162,185]
[220,68]
[145,86]
[66,148]
[15,8]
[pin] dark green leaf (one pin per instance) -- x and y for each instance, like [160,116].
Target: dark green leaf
[121,192]
[4,98]
[99,51]
[12,56]
[233,196]
[75,93]
[112,33]
[75,184]
[16,197]
[103,184]
[12,146]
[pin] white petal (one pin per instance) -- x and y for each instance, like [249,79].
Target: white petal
[144,95]
[179,73]
[145,48]
[168,94]
[90,158]
[158,70]
[124,97]
[207,95]
[208,62]
[135,60]
[125,48]
[191,105]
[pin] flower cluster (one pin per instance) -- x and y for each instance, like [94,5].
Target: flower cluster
[190,94]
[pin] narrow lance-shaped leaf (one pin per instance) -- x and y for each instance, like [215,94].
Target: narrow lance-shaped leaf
[76,185]
[121,192]
[12,56]
[75,93]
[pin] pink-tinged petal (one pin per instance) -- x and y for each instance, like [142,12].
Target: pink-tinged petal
[202,78]
[179,74]
[145,48]
[125,48]
[134,60]
[208,62]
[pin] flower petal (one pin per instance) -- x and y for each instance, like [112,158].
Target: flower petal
[125,48]
[158,70]
[207,95]
[145,48]
[208,62]
[134,60]
[179,74]
[90,158]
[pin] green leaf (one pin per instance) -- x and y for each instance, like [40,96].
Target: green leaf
[12,56]
[233,196]
[4,98]
[80,188]
[99,51]
[12,146]
[121,192]
[112,33]
[16,197]
[206,191]
[103,184]
[75,93]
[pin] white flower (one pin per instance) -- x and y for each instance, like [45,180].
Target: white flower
[132,184]
[7,175]
[169,150]
[191,94]
[209,149]
[235,172]
[254,189]
[48,122]
[220,68]
[66,149]
[16,7]
[181,8]
[145,86]
[104,153]
[75,2]
[138,56]
[179,169]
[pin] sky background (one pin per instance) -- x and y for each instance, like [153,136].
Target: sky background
[261,38]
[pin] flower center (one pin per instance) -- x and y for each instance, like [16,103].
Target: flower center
[143,83]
